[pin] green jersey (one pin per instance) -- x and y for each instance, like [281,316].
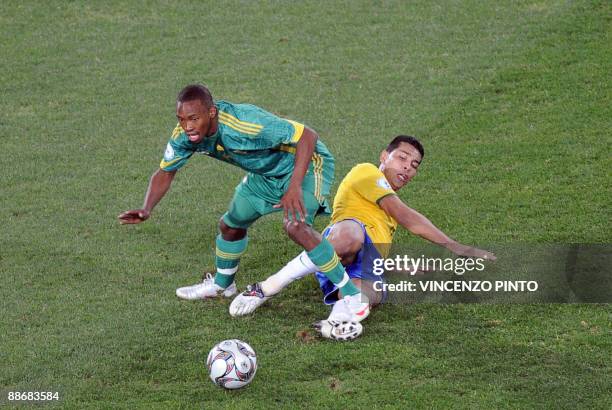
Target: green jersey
[248,137]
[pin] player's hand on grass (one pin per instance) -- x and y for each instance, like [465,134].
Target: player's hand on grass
[293,205]
[134,216]
[482,254]
[471,252]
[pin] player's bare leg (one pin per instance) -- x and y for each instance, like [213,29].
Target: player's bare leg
[347,239]
[231,234]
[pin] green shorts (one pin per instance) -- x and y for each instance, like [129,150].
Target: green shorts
[256,195]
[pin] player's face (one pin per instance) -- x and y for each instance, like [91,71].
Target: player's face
[197,120]
[400,165]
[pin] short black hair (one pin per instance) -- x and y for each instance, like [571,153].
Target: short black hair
[195,92]
[407,139]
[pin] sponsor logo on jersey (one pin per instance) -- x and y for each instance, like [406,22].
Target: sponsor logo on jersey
[382,182]
[169,154]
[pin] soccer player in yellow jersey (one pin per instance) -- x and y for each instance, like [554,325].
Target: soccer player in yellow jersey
[366,214]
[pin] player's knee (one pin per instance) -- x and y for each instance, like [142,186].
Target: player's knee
[231,234]
[347,238]
[346,248]
[223,228]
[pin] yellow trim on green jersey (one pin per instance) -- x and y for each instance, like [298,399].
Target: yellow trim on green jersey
[164,164]
[241,126]
[177,131]
[299,130]
[287,148]
[317,169]
[318,173]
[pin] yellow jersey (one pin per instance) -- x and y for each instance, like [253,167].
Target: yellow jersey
[358,197]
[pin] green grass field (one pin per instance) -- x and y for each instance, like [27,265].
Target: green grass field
[511,100]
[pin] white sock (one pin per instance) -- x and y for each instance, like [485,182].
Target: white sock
[297,268]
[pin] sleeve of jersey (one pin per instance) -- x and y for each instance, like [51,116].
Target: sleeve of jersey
[372,185]
[175,156]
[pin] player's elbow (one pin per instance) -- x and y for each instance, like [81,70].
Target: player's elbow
[309,135]
[163,176]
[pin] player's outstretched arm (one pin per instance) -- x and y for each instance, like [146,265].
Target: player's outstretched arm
[158,186]
[419,225]
[293,201]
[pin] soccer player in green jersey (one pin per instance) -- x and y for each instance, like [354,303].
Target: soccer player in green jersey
[287,167]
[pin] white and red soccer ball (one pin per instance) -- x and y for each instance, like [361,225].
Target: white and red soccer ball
[232,364]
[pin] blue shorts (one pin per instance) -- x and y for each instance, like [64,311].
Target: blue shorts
[361,268]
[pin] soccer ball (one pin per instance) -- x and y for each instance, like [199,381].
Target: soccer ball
[231,364]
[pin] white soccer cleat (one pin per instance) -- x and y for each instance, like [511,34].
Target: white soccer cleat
[353,308]
[206,289]
[340,331]
[249,300]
